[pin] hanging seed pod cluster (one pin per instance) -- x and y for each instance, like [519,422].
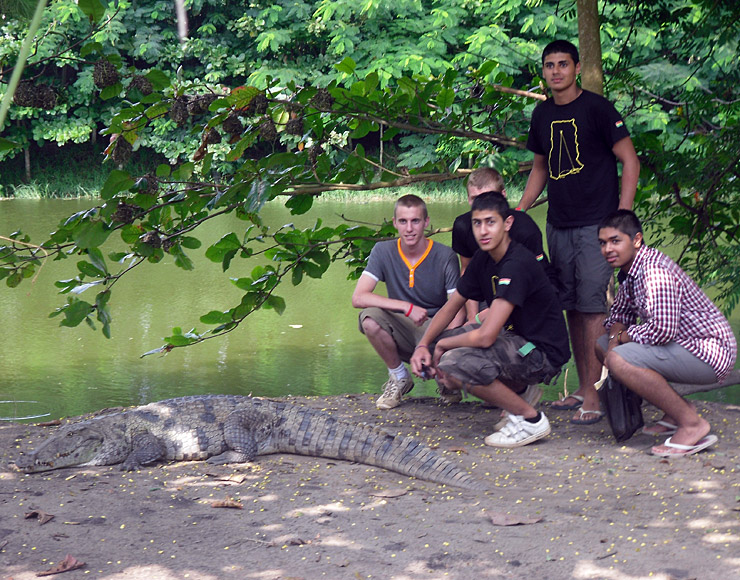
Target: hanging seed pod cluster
[105,74]
[29,94]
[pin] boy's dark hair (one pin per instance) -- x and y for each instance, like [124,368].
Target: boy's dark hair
[492,201]
[623,220]
[561,46]
[411,200]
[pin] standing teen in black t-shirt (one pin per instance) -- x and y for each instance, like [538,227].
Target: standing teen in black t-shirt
[577,138]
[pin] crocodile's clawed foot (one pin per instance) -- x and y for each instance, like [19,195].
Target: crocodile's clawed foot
[229,457]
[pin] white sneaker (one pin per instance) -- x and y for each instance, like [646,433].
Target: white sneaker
[393,390]
[518,431]
[532,394]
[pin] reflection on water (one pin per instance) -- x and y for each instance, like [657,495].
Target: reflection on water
[314,348]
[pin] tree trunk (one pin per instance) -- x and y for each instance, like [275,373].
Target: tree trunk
[589,41]
[27,160]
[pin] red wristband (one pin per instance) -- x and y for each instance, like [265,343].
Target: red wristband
[411,307]
[519,208]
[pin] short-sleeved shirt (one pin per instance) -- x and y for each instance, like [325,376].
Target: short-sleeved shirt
[524,230]
[576,140]
[427,283]
[518,279]
[659,303]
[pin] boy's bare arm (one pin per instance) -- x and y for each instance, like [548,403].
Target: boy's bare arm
[625,152]
[535,183]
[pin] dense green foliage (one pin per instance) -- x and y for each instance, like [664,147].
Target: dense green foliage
[292,98]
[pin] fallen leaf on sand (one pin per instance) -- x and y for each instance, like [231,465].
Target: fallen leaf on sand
[458,449]
[227,503]
[502,519]
[69,563]
[42,516]
[389,493]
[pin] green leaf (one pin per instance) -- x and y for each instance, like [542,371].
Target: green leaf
[449,78]
[216,317]
[88,269]
[97,259]
[228,244]
[179,340]
[75,311]
[117,181]
[190,243]
[14,279]
[276,303]
[486,68]
[312,270]
[299,204]
[130,233]
[6,145]
[111,91]
[91,235]
[183,261]
[158,79]
[91,47]
[157,110]
[163,170]
[445,98]
[363,128]
[93,9]
[347,66]
[371,82]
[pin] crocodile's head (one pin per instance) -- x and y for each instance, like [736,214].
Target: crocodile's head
[77,444]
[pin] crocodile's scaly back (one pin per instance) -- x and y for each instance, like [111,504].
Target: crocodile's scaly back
[305,431]
[230,428]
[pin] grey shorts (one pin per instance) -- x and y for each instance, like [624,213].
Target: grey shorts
[672,361]
[404,332]
[502,360]
[583,272]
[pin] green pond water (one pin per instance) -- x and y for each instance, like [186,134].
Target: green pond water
[314,348]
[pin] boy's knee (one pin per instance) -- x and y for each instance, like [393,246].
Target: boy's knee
[369,325]
[615,363]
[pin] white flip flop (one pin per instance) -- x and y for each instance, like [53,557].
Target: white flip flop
[682,450]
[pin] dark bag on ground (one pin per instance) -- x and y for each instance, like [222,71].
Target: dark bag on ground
[622,407]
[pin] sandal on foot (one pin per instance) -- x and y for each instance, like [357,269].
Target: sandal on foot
[670,428]
[678,450]
[571,407]
[598,415]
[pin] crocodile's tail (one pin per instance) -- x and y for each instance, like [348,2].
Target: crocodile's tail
[311,432]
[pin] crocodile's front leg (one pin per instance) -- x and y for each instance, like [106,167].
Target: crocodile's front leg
[145,448]
[244,429]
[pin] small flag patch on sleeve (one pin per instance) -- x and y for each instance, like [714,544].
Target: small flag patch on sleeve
[504,281]
[619,124]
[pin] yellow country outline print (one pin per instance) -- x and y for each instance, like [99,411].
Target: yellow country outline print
[559,144]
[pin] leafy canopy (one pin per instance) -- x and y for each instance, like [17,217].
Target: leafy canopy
[292,99]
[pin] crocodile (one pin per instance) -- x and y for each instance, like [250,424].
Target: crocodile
[234,429]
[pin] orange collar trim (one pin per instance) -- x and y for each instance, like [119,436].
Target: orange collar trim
[412,268]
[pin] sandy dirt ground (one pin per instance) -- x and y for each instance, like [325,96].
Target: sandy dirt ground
[579,506]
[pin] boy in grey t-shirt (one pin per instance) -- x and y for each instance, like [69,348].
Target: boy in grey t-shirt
[419,275]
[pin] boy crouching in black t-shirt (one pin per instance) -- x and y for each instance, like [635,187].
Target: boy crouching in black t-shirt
[522,341]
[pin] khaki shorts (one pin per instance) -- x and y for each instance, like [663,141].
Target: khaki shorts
[502,360]
[404,332]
